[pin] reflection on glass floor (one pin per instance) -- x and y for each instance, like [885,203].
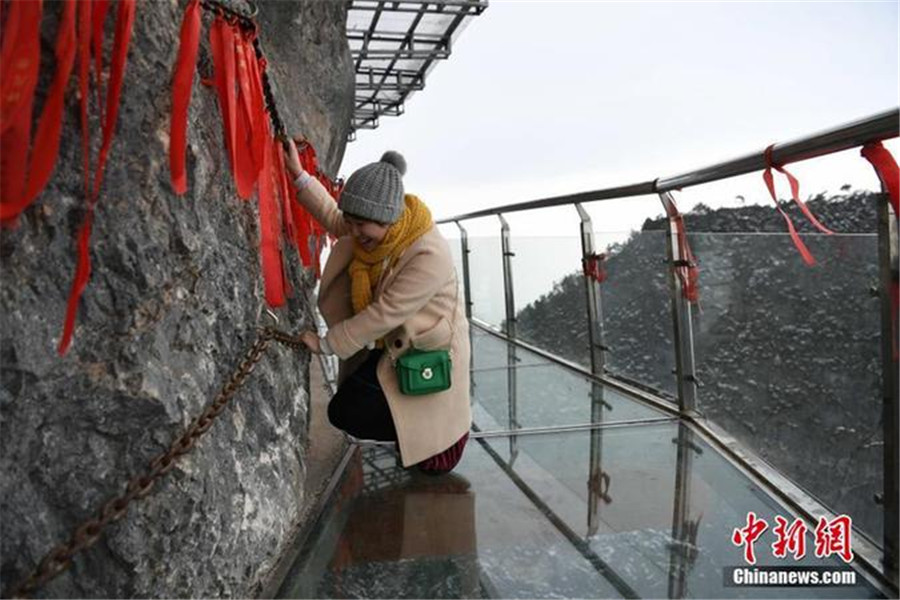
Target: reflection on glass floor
[537,527]
[617,510]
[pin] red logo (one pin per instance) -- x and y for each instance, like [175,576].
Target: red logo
[831,537]
[746,536]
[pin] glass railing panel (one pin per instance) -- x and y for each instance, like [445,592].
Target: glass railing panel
[547,250]
[550,301]
[486,271]
[657,539]
[547,395]
[635,298]
[451,233]
[789,358]
[637,309]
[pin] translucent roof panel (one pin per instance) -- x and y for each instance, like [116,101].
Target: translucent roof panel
[394,45]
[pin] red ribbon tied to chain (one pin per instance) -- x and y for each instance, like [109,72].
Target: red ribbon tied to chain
[182,82]
[46,140]
[124,27]
[795,195]
[20,58]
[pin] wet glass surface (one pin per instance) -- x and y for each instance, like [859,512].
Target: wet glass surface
[535,523]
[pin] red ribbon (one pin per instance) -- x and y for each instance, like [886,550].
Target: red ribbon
[84,80]
[795,194]
[269,247]
[687,271]
[46,140]
[124,26]
[182,82]
[886,168]
[21,59]
[221,40]
[247,131]
[688,274]
[257,98]
[594,266]
[98,19]
[20,55]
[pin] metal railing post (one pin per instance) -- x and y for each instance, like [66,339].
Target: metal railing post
[681,317]
[888,268]
[592,296]
[597,479]
[467,289]
[508,279]
[512,360]
[467,294]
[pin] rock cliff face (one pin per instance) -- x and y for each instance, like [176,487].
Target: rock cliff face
[172,306]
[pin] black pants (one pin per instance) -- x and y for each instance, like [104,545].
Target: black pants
[360,408]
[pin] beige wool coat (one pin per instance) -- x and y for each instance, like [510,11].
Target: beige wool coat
[416,303]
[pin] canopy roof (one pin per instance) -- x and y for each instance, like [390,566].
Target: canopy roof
[394,45]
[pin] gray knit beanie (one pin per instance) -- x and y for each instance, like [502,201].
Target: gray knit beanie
[375,192]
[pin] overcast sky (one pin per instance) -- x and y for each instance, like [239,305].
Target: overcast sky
[547,98]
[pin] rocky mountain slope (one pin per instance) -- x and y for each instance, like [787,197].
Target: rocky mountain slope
[788,355]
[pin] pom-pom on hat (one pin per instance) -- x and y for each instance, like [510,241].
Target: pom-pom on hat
[375,192]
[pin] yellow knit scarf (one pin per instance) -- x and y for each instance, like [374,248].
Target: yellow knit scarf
[366,267]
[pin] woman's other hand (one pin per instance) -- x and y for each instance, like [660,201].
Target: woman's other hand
[312,341]
[292,159]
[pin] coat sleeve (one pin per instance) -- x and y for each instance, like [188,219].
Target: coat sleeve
[316,199]
[419,280]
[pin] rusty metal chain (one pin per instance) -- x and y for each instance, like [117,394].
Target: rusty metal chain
[86,535]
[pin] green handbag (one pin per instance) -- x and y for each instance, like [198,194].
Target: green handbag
[423,372]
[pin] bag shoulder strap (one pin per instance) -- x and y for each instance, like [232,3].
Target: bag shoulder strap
[394,357]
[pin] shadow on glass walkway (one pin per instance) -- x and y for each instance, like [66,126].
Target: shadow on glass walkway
[580,483]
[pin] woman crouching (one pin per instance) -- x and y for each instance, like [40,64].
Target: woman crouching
[389,290]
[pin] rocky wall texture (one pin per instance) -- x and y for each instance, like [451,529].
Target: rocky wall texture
[172,306]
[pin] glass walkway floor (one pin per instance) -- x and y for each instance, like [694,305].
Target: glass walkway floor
[627,502]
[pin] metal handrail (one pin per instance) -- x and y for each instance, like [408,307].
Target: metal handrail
[880,126]
[875,128]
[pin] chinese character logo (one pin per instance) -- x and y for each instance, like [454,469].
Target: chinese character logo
[746,536]
[831,537]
